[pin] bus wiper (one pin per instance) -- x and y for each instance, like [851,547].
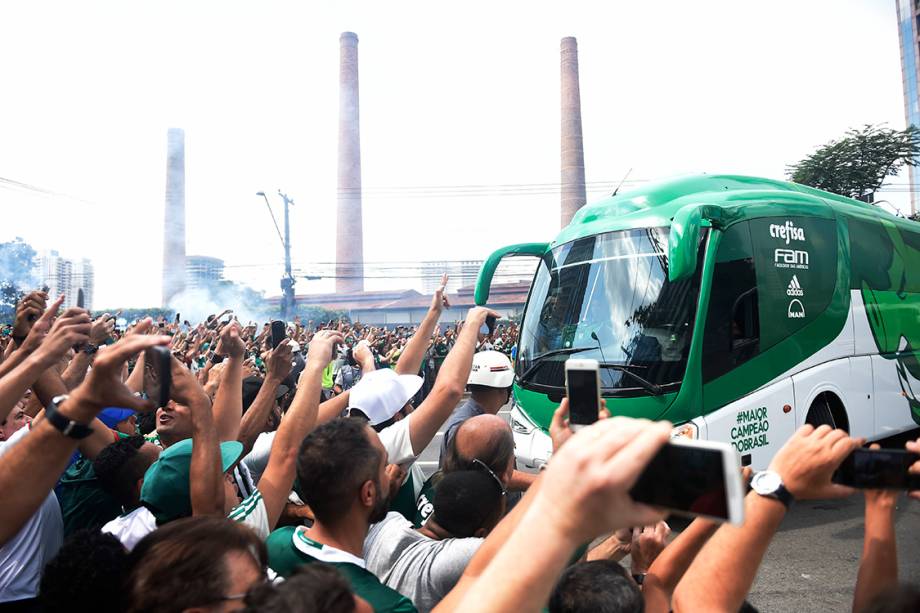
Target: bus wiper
[539,360]
[652,388]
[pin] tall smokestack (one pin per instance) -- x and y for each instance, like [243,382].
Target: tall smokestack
[573,147]
[174,218]
[349,238]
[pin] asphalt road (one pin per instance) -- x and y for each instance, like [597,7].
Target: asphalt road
[812,561]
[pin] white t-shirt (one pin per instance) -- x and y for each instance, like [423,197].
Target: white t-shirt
[422,569]
[132,527]
[257,458]
[397,442]
[23,558]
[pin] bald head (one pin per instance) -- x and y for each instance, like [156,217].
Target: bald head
[486,438]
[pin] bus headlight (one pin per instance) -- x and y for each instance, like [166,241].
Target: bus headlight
[687,430]
[520,424]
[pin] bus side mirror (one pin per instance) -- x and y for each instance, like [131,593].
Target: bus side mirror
[484,282]
[683,240]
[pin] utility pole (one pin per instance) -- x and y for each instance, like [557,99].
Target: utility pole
[287,281]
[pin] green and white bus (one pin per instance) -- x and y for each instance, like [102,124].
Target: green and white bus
[736,307]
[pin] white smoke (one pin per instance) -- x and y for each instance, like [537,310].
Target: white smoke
[196,304]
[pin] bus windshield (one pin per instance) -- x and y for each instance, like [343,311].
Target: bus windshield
[608,297]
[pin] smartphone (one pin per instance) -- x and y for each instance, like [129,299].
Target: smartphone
[583,388]
[279,333]
[157,375]
[878,469]
[80,300]
[696,479]
[489,327]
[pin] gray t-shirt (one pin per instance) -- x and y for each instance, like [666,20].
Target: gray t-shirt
[468,409]
[422,569]
[23,558]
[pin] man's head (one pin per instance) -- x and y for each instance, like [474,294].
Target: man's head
[121,466]
[89,570]
[491,376]
[174,423]
[312,588]
[468,503]
[197,563]
[16,419]
[341,469]
[486,438]
[601,586]
[120,420]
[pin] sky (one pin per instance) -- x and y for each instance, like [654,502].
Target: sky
[460,123]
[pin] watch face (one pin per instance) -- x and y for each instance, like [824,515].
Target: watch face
[766,482]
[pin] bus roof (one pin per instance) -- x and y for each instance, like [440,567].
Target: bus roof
[655,204]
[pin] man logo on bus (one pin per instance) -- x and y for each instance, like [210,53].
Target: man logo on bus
[794,289]
[796,309]
[787,232]
[790,258]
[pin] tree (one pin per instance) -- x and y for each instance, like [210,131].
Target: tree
[858,164]
[17,275]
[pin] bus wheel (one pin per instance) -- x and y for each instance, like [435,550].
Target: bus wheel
[827,409]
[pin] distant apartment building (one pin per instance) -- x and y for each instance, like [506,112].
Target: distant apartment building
[65,276]
[461,273]
[202,271]
[909,36]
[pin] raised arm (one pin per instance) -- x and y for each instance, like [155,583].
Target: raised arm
[42,453]
[228,402]
[410,362]
[805,464]
[878,568]
[668,568]
[300,418]
[450,384]
[279,367]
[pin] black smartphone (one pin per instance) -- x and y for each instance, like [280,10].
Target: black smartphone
[696,478]
[81,301]
[878,469]
[582,386]
[489,327]
[157,375]
[279,333]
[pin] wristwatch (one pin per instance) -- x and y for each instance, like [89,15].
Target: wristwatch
[89,348]
[65,425]
[769,485]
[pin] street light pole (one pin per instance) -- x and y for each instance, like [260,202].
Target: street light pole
[287,281]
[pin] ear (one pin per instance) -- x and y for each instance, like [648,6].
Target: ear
[368,494]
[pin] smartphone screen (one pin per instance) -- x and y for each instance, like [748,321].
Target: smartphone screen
[878,469]
[278,333]
[687,479]
[582,390]
[157,375]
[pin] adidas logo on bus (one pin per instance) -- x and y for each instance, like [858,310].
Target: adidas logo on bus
[794,288]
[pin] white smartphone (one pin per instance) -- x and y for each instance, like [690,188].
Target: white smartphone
[696,479]
[583,388]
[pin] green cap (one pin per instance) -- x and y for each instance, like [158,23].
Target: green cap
[166,483]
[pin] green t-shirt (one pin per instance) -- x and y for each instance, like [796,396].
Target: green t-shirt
[290,548]
[404,501]
[83,502]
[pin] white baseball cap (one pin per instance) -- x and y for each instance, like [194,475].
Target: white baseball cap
[491,369]
[380,394]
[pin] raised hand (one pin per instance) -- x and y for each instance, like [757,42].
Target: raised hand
[71,328]
[323,345]
[41,327]
[440,302]
[647,543]
[279,361]
[101,329]
[230,343]
[29,309]
[809,458]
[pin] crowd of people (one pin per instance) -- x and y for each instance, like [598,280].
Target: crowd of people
[281,475]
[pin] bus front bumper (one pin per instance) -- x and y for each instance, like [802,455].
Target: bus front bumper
[532,446]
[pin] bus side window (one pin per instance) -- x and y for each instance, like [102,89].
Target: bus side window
[732,332]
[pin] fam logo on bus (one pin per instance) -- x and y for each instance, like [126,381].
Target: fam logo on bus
[787,232]
[790,258]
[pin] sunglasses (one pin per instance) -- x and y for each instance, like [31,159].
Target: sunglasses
[482,465]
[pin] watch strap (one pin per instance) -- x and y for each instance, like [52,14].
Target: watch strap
[63,424]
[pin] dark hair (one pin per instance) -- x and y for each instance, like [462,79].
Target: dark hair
[601,586]
[119,466]
[146,422]
[312,588]
[467,500]
[495,452]
[902,598]
[182,564]
[88,571]
[334,461]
